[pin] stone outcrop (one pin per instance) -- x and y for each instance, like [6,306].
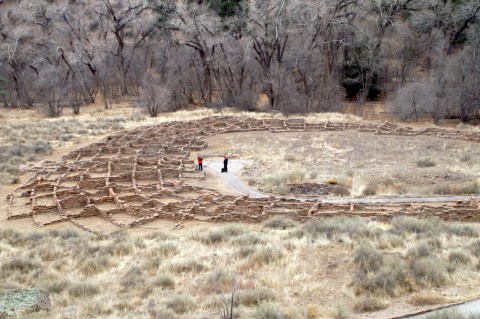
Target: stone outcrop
[135,177]
[16,301]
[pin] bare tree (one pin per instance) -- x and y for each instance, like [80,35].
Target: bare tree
[415,101]
[154,96]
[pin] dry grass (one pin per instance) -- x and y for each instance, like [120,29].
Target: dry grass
[274,268]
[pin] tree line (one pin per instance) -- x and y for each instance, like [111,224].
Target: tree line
[302,55]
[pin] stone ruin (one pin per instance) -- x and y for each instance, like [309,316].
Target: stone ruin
[138,176]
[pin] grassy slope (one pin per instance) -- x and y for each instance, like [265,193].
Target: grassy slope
[323,269]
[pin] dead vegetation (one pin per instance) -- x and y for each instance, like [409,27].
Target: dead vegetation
[181,275]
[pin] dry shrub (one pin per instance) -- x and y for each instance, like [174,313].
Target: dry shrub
[191,266]
[246,251]
[425,248]
[12,237]
[457,189]
[164,249]
[426,162]
[459,257]
[19,265]
[248,239]
[426,299]
[280,222]
[164,281]
[474,247]
[82,289]
[370,190]
[95,309]
[55,286]
[95,265]
[254,297]
[180,304]
[341,191]
[268,311]
[429,271]
[368,303]
[132,278]
[406,224]
[390,241]
[341,311]
[152,263]
[266,256]
[367,258]
[224,233]
[328,227]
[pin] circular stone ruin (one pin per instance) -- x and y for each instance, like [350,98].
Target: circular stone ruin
[135,177]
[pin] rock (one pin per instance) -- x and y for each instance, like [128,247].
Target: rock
[14,301]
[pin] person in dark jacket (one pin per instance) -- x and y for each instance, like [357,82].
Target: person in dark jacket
[225,164]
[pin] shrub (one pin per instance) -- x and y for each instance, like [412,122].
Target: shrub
[246,251]
[132,278]
[370,190]
[426,299]
[390,241]
[353,226]
[254,296]
[462,230]
[165,249]
[474,247]
[55,286]
[268,311]
[426,162]
[406,224]
[459,257]
[95,265]
[12,237]
[165,281]
[389,280]
[188,266]
[341,191]
[248,239]
[457,189]
[266,255]
[429,271]
[424,248]
[225,233]
[367,258]
[180,304]
[280,222]
[340,312]
[82,290]
[368,303]
[18,265]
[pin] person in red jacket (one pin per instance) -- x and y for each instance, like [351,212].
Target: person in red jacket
[200,163]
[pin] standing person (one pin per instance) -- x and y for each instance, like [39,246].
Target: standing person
[225,164]
[200,162]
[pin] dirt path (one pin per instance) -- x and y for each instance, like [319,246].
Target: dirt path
[238,185]
[215,166]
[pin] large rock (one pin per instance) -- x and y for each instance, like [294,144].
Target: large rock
[14,301]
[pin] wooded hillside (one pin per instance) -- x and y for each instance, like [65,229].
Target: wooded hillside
[423,56]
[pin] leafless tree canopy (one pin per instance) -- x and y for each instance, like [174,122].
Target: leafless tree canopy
[301,56]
